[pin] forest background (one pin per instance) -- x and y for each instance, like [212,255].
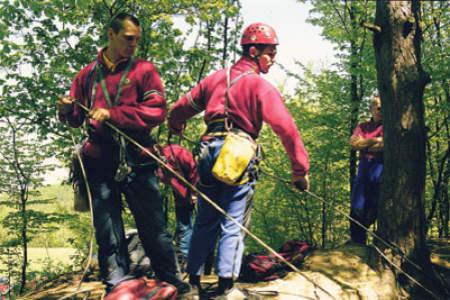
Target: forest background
[44,44]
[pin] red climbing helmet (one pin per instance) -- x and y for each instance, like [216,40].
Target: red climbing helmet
[259,33]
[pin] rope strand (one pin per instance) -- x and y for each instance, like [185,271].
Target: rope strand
[91,211]
[374,235]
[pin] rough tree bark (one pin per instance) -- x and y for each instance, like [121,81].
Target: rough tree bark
[401,82]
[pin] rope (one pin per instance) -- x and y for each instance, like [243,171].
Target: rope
[91,241]
[404,273]
[374,235]
[211,202]
[88,190]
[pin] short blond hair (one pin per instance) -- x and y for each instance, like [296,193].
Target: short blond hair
[375,100]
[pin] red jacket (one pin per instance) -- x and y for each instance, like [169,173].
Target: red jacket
[252,101]
[141,105]
[182,161]
[366,130]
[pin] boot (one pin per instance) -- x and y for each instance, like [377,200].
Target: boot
[225,284]
[194,280]
[227,291]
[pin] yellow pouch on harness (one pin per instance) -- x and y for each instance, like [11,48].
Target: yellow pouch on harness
[237,151]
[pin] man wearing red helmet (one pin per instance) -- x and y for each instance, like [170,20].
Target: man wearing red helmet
[246,100]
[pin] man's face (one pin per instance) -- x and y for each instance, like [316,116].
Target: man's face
[124,43]
[267,58]
[375,110]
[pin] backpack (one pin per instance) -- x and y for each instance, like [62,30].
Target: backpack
[143,289]
[260,267]
[80,194]
[140,264]
[294,251]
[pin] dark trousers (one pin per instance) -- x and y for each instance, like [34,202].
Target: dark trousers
[146,204]
[365,194]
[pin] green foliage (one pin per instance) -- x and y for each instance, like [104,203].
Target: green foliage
[22,169]
[45,43]
[341,24]
[435,54]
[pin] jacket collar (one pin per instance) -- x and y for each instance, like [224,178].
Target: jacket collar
[108,64]
[245,64]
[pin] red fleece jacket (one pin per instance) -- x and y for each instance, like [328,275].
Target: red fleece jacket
[252,100]
[141,105]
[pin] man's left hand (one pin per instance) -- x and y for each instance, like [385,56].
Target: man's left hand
[100,114]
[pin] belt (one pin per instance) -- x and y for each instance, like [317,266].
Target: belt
[216,127]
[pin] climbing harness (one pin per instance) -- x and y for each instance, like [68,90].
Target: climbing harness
[238,147]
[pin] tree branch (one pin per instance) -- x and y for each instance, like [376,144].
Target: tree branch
[342,19]
[372,27]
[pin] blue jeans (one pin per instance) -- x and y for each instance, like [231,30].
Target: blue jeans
[183,229]
[146,204]
[211,225]
[365,194]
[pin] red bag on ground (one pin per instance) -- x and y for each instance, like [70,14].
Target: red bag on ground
[294,251]
[143,289]
[261,267]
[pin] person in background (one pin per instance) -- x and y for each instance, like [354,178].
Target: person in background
[182,161]
[128,93]
[367,138]
[251,101]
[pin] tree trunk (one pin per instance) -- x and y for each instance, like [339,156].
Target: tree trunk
[353,90]
[325,186]
[23,280]
[225,42]
[401,82]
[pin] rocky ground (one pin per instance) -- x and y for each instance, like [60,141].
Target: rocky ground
[341,273]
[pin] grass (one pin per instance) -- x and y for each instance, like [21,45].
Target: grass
[44,261]
[60,201]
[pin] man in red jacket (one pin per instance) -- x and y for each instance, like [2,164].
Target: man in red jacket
[128,93]
[368,139]
[251,100]
[182,161]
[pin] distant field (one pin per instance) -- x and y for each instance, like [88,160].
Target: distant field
[60,200]
[58,256]
[37,257]
[46,260]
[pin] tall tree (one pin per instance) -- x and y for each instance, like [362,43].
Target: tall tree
[401,82]
[22,168]
[341,21]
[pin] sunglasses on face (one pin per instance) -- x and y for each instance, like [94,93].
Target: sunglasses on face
[131,38]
